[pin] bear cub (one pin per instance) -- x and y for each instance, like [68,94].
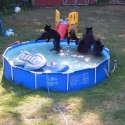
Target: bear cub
[97,47]
[73,37]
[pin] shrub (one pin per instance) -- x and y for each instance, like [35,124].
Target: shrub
[5,5]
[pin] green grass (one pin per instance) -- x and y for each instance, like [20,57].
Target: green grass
[104,104]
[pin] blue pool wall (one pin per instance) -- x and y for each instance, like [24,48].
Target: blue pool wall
[62,82]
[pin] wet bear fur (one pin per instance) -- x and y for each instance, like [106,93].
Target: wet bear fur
[51,34]
[86,41]
[44,36]
[97,47]
[72,37]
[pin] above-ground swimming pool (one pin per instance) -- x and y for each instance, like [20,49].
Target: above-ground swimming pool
[84,70]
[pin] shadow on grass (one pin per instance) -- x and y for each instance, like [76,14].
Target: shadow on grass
[99,99]
[90,95]
[10,118]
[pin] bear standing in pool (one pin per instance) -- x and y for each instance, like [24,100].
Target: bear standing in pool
[51,34]
[72,37]
[86,41]
[97,48]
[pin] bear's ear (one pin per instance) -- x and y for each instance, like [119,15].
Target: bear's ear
[48,25]
[98,39]
[91,27]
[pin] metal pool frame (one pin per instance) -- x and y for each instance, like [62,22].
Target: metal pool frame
[60,81]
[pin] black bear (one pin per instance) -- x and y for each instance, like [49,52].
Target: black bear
[73,37]
[97,47]
[51,34]
[44,36]
[86,41]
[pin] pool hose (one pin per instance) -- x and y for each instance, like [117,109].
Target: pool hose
[115,65]
[56,107]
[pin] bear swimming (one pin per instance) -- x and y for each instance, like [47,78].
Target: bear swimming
[72,37]
[51,34]
[97,47]
[86,41]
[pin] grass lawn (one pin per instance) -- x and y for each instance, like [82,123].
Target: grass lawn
[103,104]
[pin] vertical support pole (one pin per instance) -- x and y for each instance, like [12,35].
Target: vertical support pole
[35,81]
[11,72]
[95,76]
[67,81]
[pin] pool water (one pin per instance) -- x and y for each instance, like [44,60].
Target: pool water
[68,55]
